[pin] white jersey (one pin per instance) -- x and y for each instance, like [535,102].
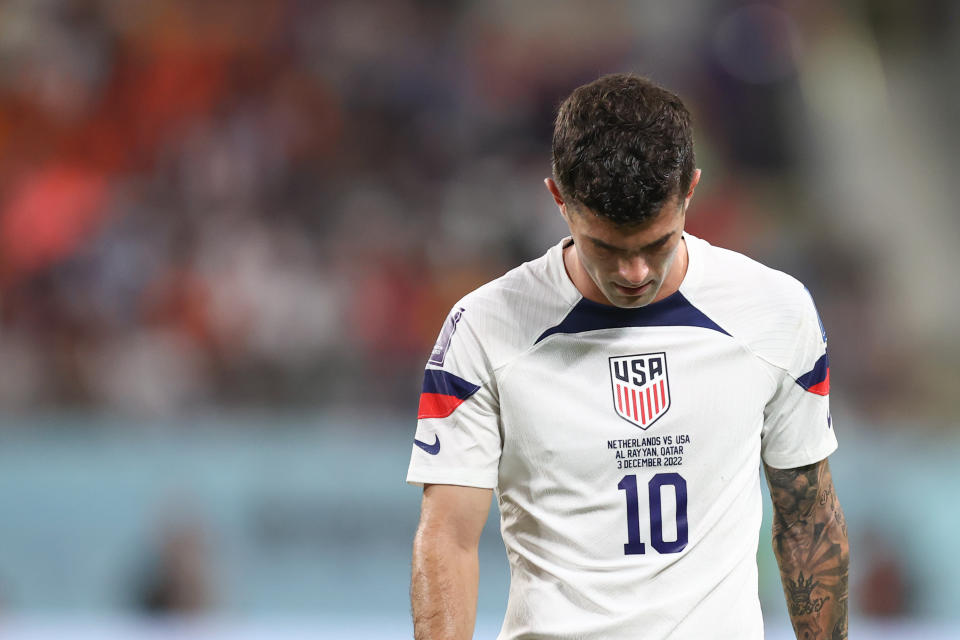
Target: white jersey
[624,444]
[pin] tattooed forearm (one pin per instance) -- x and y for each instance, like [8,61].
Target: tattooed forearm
[810,543]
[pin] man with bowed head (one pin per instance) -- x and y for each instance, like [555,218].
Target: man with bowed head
[618,395]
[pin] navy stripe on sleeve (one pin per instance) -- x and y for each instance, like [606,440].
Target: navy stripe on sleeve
[447,384]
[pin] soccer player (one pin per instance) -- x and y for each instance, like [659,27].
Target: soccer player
[619,394]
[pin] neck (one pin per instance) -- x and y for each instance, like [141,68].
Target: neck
[671,284]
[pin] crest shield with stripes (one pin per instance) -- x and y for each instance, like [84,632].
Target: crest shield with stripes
[641,389]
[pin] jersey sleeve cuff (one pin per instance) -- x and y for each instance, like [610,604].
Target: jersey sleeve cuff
[420,477]
[801,459]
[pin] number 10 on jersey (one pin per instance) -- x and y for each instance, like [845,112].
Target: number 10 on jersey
[655,487]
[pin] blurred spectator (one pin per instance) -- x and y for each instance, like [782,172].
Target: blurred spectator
[883,588]
[178,580]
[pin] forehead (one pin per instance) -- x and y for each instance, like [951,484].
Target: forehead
[667,220]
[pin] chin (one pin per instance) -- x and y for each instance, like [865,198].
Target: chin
[630,303]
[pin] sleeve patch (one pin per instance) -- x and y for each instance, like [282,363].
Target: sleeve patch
[439,352]
[442,393]
[817,380]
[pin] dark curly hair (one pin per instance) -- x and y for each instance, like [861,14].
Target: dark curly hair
[622,147]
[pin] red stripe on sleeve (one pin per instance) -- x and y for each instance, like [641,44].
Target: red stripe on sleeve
[437,405]
[821,388]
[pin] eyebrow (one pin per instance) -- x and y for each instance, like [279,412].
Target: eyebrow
[649,245]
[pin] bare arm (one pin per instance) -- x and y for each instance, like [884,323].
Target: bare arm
[443,588]
[810,543]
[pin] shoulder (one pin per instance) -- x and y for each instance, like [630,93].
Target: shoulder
[734,273]
[506,316]
[768,310]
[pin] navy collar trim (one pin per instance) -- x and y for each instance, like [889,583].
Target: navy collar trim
[673,311]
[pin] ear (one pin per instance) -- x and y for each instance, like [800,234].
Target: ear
[554,191]
[693,185]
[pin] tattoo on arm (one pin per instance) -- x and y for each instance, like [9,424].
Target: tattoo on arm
[811,547]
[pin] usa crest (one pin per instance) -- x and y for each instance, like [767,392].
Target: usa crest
[641,388]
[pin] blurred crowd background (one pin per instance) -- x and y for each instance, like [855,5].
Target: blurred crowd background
[276,202]
[266,208]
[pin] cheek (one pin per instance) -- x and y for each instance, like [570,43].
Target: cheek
[589,261]
[665,261]
[602,265]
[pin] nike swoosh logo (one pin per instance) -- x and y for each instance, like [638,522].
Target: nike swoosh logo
[432,449]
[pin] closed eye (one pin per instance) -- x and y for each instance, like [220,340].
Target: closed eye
[656,245]
[659,244]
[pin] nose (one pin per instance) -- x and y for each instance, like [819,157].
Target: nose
[634,270]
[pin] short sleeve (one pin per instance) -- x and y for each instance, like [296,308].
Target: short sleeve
[458,437]
[798,429]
